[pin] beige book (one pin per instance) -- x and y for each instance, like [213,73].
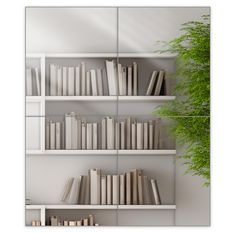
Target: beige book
[124,82]
[156,133]
[122,190]
[117,135]
[128,133]
[129,83]
[133,136]
[47,135]
[33,223]
[104,134]
[103,190]
[83,78]
[79,134]
[100,82]
[123,138]
[109,190]
[159,82]
[139,136]
[74,131]
[94,136]
[83,135]
[79,223]
[72,223]
[87,191]
[37,81]
[63,134]
[95,186]
[68,131]
[74,191]
[115,187]
[58,136]
[53,72]
[151,83]
[140,188]
[38,223]
[71,81]
[91,220]
[85,222]
[146,139]
[156,195]
[88,83]
[110,133]
[89,136]
[120,79]
[52,135]
[147,191]
[128,189]
[94,87]
[82,189]
[135,79]
[67,189]
[59,81]
[65,81]
[150,135]
[134,178]
[66,223]
[77,81]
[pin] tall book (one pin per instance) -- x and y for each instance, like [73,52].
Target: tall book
[146,134]
[129,82]
[74,131]
[128,133]
[117,135]
[100,82]
[139,136]
[71,81]
[156,133]
[120,79]
[124,81]
[134,178]
[77,81]
[95,186]
[68,131]
[82,189]
[47,135]
[73,198]
[79,189]
[135,78]
[87,191]
[65,81]
[37,81]
[109,190]
[63,135]
[89,136]
[104,134]
[140,187]
[88,83]
[128,189]
[159,82]
[133,136]
[150,135]
[58,136]
[157,199]
[103,190]
[79,128]
[94,87]
[59,81]
[123,134]
[52,135]
[94,136]
[91,220]
[110,133]
[147,191]
[83,135]
[29,82]
[83,78]
[111,76]
[53,71]
[151,83]
[122,190]
[67,189]
[115,188]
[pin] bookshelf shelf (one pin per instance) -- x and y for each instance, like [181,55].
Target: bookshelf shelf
[33,98]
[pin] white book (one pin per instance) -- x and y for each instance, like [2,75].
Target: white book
[59,81]
[109,190]
[87,196]
[94,88]
[67,189]
[140,188]
[73,198]
[110,133]
[139,136]
[133,136]
[135,78]
[134,178]
[53,71]
[47,135]
[123,138]
[71,81]
[88,83]
[104,134]
[37,81]
[117,135]
[91,220]
[52,135]
[83,78]
[122,190]
[65,81]
[85,222]
[82,191]
[62,135]
[94,136]
[83,135]
[29,82]
[89,136]
[77,81]
[146,133]
[156,133]
[128,189]
[120,80]
[79,128]
[115,185]
[128,133]
[58,136]
[151,83]
[95,186]
[103,190]
[100,82]
[68,132]
[74,131]
[159,82]
[129,82]
[150,135]
[156,195]
[111,75]
[124,81]
[147,191]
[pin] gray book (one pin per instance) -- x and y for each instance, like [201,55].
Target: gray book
[83,78]
[151,83]
[87,196]
[134,178]
[117,135]
[146,133]
[156,195]
[140,187]
[58,136]
[62,135]
[156,133]
[88,83]
[52,135]
[65,81]
[47,135]
[122,190]
[128,189]
[159,82]
[104,134]
[59,81]
[74,129]
[115,188]
[89,136]
[29,82]
[123,134]
[77,81]
[79,134]
[110,133]
[82,191]
[83,135]
[103,190]
[150,135]
[129,83]
[135,78]
[109,190]
[120,80]
[124,80]
[68,131]
[53,71]
[95,186]
[67,190]
[94,136]
[128,133]
[38,85]
[139,136]
[133,136]
[71,81]
[94,86]
[147,191]
[100,82]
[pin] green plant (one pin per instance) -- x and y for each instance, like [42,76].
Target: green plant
[191,109]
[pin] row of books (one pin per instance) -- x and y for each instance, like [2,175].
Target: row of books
[35,223]
[115,80]
[32,82]
[131,188]
[75,133]
[56,221]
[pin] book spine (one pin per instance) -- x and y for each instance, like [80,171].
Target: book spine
[120,79]
[146,139]
[68,133]
[129,84]
[58,136]
[89,136]
[87,191]
[83,79]
[135,79]
[74,129]
[62,135]
[140,188]
[91,220]
[139,138]
[156,133]
[146,191]
[78,81]
[155,192]
[111,78]
[104,134]
[94,135]
[109,189]
[159,82]
[53,69]
[83,135]
[117,135]
[47,135]
[67,190]
[151,83]
[65,81]
[100,82]
[88,83]
[95,186]
[79,134]
[29,83]
[94,83]
[115,199]
[128,189]
[150,135]
[123,138]
[38,81]
[133,136]
[71,81]
[122,190]
[134,178]
[128,133]
[110,133]
[52,135]
[59,81]
[103,190]
[124,81]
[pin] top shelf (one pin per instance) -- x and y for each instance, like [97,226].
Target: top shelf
[100,55]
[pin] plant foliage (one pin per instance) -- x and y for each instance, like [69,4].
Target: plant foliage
[191,109]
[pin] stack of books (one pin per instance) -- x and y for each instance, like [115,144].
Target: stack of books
[131,188]
[74,133]
[56,221]
[115,80]
[32,82]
